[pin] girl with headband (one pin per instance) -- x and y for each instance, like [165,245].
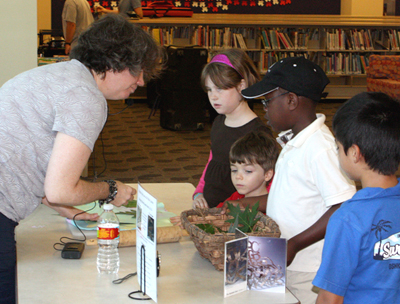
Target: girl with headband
[223,78]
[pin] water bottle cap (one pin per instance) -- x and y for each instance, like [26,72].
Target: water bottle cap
[108,207]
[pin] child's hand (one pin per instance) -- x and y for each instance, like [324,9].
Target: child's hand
[200,202]
[176,221]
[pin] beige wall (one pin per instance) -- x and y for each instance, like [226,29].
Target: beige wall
[18,42]
[43,15]
[362,7]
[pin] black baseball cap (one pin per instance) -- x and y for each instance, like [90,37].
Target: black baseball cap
[295,74]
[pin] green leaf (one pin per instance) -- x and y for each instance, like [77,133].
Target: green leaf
[234,225]
[246,219]
[209,228]
[253,214]
[131,204]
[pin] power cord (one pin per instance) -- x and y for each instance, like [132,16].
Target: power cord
[95,175]
[128,106]
[119,281]
[62,243]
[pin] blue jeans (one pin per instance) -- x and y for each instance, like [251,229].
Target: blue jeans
[8,261]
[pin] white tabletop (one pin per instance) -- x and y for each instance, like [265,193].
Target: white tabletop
[45,277]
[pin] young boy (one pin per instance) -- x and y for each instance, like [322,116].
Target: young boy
[252,159]
[361,256]
[308,185]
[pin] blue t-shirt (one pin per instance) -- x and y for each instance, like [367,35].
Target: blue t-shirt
[361,255]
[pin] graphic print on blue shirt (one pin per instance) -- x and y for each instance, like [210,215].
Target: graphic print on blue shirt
[389,248]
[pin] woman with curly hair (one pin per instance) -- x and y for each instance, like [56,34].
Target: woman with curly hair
[51,117]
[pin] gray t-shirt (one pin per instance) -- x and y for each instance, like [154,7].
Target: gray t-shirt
[34,106]
[128,6]
[78,12]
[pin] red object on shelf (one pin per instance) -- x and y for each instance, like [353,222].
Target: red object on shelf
[159,9]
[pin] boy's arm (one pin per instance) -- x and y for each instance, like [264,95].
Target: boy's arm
[250,201]
[326,297]
[313,234]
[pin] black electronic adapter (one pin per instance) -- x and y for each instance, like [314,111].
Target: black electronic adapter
[72,250]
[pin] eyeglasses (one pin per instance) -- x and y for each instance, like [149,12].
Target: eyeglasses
[265,102]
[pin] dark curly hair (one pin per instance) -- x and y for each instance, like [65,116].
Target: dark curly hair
[112,43]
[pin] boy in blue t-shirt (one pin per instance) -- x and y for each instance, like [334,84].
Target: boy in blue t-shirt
[361,255]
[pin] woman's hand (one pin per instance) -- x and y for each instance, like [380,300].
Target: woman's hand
[69,211]
[125,193]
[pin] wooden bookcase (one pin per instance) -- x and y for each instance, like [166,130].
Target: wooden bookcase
[323,40]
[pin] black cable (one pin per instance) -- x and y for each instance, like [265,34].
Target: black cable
[104,156]
[62,243]
[95,176]
[119,281]
[121,110]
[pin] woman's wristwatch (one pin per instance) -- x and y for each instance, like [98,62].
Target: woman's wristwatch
[112,194]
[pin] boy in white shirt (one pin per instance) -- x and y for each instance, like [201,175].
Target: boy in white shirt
[308,185]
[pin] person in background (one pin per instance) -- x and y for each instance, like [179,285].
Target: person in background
[124,7]
[76,17]
[361,255]
[308,184]
[51,117]
[223,78]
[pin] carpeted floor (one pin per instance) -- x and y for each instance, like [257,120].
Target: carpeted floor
[136,148]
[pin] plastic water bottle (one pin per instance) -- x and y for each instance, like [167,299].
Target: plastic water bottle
[108,240]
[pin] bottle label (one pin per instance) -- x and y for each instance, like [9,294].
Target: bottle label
[108,232]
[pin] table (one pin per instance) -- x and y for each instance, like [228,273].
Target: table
[44,277]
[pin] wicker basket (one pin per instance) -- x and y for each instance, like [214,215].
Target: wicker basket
[212,246]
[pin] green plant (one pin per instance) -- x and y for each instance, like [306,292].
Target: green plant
[209,228]
[244,220]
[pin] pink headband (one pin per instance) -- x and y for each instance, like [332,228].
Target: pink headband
[222,58]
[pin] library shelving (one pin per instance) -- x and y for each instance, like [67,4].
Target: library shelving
[341,45]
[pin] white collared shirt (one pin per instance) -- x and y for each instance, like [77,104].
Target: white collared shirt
[307,182]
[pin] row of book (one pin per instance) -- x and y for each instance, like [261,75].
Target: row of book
[290,39]
[339,39]
[279,38]
[394,38]
[332,64]
[265,59]
[346,64]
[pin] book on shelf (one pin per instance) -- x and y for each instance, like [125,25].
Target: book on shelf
[283,41]
[240,41]
[275,43]
[156,34]
[265,39]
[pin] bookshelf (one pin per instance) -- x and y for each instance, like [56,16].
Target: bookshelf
[341,45]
